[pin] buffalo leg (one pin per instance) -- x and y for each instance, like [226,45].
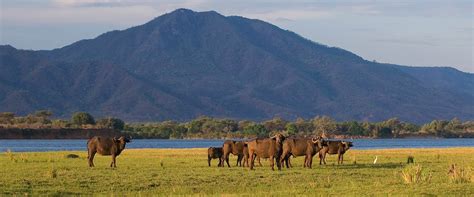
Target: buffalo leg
[112,164]
[278,164]
[221,162]
[209,160]
[309,161]
[259,163]
[322,157]
[252,160]
[91,158]
[227,160]
[272,162]
[239,160]
[246,161]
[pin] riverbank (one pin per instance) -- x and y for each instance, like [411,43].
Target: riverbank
[185,172]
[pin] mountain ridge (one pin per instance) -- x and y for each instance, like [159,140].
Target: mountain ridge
[184,64]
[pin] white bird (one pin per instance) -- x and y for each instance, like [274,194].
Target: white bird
[375,160]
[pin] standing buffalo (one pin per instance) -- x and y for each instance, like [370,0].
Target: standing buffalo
[334,147]
[299,147]
[215,153]
[234,147]
[105,146]
[266,148]
[246,157]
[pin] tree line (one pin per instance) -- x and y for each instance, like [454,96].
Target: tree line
[208,127]
[42,120]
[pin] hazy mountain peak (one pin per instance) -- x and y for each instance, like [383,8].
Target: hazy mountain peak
[185,63]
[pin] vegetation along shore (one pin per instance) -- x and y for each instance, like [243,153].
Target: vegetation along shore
[218,128]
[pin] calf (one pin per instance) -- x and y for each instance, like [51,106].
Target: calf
[215,153]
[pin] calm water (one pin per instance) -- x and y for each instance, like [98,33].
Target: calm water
[56,145]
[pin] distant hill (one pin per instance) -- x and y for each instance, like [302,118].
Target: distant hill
[184,64]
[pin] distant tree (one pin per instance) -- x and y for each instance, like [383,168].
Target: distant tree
[303,127]
[454,125]
[354,128]
[385,132]
[60,124]
[111,123]
[291,128]
[82,118]
[6,117]
[324,125]
[42,116]
[256,129]
[275,124]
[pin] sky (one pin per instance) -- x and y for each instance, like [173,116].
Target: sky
[405,32]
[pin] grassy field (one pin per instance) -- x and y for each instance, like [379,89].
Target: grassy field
[185,171]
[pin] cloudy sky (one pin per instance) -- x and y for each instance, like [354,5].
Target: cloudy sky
[407,32]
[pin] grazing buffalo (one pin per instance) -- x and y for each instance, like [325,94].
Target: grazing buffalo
[266,148]
[105,146]
[334,147]
[215,153]
[299,147]
[234,147]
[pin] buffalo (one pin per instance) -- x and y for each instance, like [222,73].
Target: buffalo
[246,157]
[334,147]
[299,147]
[105,146]
[234,147]
[215,153]
[266,148]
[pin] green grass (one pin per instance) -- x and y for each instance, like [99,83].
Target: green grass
[185,171]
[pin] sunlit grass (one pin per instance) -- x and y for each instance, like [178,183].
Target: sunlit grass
[185,171]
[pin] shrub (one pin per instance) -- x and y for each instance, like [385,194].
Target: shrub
[459,174]
[82,118]
[413,174]
[52,173]
[10,155]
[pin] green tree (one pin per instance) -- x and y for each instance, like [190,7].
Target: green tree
[291,128]
[275,124]
[82,118]
[6,117]
[111,123]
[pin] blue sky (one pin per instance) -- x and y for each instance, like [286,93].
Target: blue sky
[416,33]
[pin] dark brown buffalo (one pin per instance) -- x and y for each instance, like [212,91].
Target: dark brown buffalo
[215,153]
[234,147]
[105,146]
[334,147]
[307,147]
[266,148]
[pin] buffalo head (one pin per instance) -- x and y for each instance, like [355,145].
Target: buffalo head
[318,141]
[347,145]
[279,138]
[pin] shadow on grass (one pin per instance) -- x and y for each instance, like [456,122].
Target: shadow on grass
[362,166]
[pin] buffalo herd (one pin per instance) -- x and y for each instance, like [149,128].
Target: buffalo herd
[277,149]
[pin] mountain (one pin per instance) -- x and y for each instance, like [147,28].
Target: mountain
[184,64]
